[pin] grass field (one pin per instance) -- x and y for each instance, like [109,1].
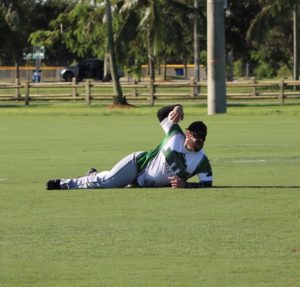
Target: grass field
[243,232]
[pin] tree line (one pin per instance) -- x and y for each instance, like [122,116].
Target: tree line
[259,34]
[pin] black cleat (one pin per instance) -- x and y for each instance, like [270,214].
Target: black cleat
[92,170]
[53,184]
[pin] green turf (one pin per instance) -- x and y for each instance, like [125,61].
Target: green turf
[243,232]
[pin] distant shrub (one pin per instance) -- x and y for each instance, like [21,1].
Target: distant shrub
[284,72]
[238,69]
[264,71]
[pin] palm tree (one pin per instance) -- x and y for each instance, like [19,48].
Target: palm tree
[296,30]
[157,21]
[196,47]
[118,98]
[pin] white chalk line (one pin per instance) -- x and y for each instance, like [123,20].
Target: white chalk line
[259,160]
[249,160]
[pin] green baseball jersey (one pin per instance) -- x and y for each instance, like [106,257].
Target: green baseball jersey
[171,158]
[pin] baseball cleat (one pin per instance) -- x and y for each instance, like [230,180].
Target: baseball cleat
[53,184]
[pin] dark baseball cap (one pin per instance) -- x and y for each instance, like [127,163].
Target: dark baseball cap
[199,128]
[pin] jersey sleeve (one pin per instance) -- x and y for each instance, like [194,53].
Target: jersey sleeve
[170,127]
[204,173]
[166,125]
[204,170]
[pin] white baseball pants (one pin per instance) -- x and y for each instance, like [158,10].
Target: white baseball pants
[121,175]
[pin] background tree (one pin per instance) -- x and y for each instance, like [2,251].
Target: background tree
[76,31]
[18,19]
[178,41]
[147,17]
[44,12]
[78,28]
[161,24]
[238,17]
[81,30]
[118,98]
[271,36]
[15,28]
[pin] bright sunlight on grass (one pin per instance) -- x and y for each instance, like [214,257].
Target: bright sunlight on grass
[243,232]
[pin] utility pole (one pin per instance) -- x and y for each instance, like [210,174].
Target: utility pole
[296,32]
[216,83]
[196,48]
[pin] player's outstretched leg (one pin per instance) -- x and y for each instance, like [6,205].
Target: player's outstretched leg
[121,175]
[54,184]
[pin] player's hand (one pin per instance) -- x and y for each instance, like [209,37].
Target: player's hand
[176,114]
[176,182]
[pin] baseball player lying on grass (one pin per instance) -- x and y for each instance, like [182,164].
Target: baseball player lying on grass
[177,158]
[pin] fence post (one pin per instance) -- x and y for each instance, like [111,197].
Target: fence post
[17,83]
[134,90]
[281,91]
[26,93]
[193,90]
[74,90]
[253,93]
[88,92]
[151,92]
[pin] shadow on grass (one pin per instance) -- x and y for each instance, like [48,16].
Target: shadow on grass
[256,186]
[248,104]
[23,106]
